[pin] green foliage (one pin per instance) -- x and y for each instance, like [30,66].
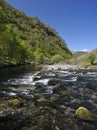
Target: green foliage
[31,41]
[56,58]
[92,58]
[2,1]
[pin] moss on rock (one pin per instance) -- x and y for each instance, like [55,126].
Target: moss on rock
[83,113]
[15,102]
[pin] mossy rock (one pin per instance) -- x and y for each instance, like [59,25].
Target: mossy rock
[83,113]
[15,102]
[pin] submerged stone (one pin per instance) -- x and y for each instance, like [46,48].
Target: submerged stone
[41,99]
[15,102]
[83,113]
[31,128]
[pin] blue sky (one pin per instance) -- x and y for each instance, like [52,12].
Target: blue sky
[74,20]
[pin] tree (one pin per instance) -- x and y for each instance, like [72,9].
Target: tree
[8,42]
[92,58]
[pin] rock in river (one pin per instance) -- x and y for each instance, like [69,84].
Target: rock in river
[15,102]
[83,113]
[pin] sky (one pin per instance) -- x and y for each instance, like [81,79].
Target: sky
[74,20]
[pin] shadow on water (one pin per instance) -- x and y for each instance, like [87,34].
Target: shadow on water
[87,125]
[12,122]
[13,72]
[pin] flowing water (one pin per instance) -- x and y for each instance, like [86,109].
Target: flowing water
[49,99]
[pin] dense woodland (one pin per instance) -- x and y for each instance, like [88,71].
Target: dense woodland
[26,39]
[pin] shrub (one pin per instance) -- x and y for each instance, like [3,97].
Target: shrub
[56,58]
[92,58]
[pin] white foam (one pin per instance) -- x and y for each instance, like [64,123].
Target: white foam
[12,94]
[49,89]
[25,80]
[43,81]
[72,79]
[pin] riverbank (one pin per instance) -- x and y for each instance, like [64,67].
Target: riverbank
[68,67]
[62,67]
[14,65]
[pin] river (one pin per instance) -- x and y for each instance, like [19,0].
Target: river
[48,98]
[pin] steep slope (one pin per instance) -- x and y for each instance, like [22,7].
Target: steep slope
[79,53]
[85,55]
[27,39]
[87,59]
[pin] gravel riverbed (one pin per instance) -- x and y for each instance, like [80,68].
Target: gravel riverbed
[48,99]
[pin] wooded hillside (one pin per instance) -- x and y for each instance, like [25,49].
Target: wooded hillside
[27,39]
